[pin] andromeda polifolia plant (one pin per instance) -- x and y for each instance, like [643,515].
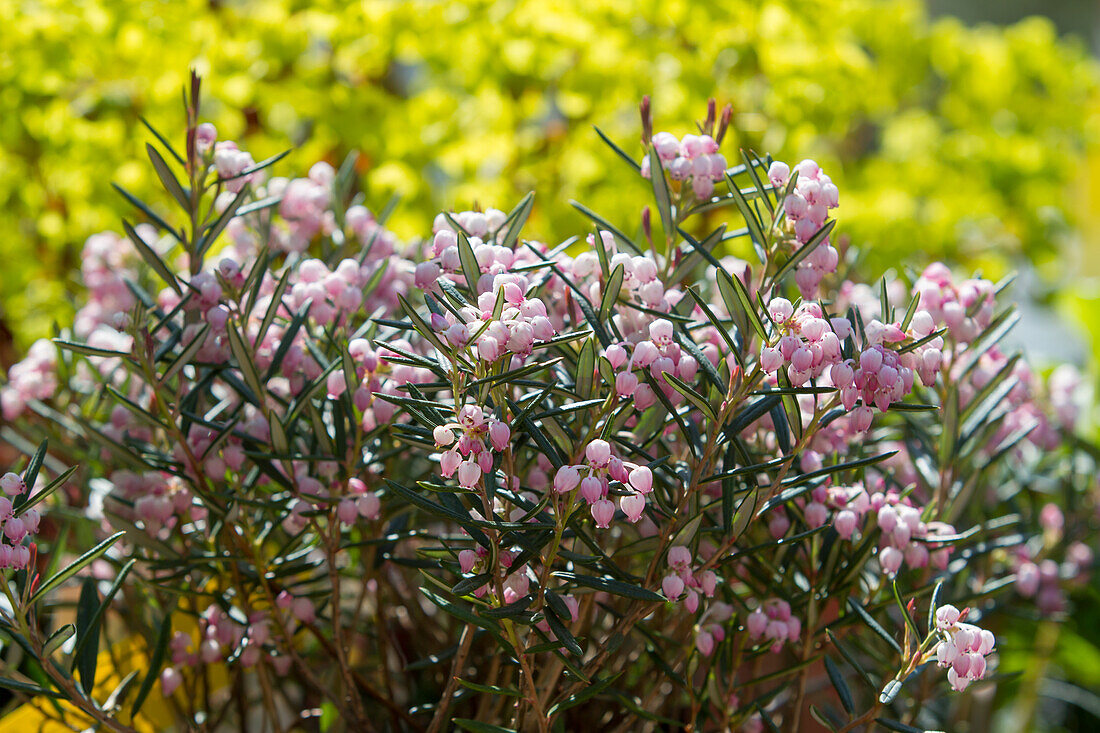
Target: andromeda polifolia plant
[648,478]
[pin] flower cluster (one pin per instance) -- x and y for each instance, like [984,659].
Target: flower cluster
[807,208]
[472,455]
[594,478]
[963,647]
[682,578]
[773,622]
[15,528]
[658,355]
[694,158]
[369,467]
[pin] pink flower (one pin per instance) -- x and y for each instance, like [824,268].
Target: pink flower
[566,479]
[603,511]
[469,473]
[12,485]
[704,642]
[672,586]
[500,435]
[598,453]
[170,680]
[632,505]
[641,478]
[449,462]
[592,489]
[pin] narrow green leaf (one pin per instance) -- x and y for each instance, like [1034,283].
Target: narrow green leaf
[841,687]
[606,225]
[515,221]
[79,564]
[86,653]
[611,291]
[850,658]
[872,624]
[618,151]
[615,587]
[27,688]
[167,178]
[30,475]
[244,360]
[562,632]
[152,215]
[186,354]
[56,639]
[737,300]
[662,194]
[152,258]
[470,268]
[215,229]
[51,487]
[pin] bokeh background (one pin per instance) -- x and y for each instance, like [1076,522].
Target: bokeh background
[967,130]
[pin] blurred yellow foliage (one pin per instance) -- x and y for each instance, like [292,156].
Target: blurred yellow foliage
[944,139]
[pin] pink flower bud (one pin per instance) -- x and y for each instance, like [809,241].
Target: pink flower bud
[816,514]
[170,680]
[645,353]
[633,505]
[946,617]
[603,511]
[626,383]
[616,354]
[986,642]
[15,530]
[303,610]
[845,523]
[679,557]
[672,586]
[1027,579]
[598,453]
[592,489]
[704,642]
[660,332]
[709,582]
[336,384]
[1050,518]
[369,506]
[890,558]
[778,524]
[11,484]
[770,359]
[780,310]
[779,173]
[644,397]
[467,559]
[756,624]
[469,473]
[500,435]
[641,478]
[566,479]
[443,435]
[346,511]
[449,462]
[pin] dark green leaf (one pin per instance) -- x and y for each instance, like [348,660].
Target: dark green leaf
[79,564]
[615,587]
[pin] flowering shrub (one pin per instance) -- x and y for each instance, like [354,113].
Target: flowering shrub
[477,480]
